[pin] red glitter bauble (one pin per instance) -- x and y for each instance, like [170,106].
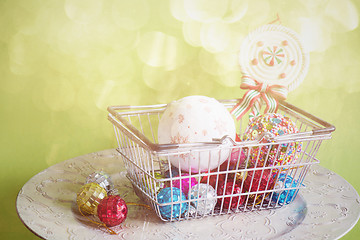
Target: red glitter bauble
[230,188]
[213,178]
[259,180]
[112,210]
[237,157]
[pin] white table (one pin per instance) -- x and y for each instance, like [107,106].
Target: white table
[326,209]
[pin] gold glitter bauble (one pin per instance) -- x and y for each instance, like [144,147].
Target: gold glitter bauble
[89,197]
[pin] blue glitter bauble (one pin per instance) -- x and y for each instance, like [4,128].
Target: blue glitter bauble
[171,196]
[285,196]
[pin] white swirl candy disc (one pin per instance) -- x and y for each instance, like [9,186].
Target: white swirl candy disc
[196,119]
[274,54]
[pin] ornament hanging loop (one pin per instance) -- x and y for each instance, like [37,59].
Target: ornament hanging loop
[276,20]
[112,232]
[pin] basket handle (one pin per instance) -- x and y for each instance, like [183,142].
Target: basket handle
[328,128]
[270,138]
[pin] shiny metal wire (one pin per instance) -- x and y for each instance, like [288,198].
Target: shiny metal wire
[135,129]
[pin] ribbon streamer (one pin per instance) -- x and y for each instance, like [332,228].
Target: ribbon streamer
[257,92]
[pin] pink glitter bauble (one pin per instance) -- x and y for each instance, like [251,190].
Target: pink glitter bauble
[184,183]
[112,210]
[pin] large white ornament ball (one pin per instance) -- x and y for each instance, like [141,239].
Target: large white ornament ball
[196,119]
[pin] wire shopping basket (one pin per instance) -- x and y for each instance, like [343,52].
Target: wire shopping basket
[235,185]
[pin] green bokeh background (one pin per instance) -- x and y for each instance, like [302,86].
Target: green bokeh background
[62,62]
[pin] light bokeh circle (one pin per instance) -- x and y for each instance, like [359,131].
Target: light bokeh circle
[274,54]
[206,10]
[83,11]
[158,49]
[124,12]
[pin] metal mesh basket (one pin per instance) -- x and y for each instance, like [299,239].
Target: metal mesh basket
[243,188]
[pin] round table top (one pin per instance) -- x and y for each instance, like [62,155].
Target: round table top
[326,209]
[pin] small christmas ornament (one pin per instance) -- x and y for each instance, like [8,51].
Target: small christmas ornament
[89,197]
[274,54]
[154,186]
[205,198]
[216,178]
[237,157]
[284,196]
[184,183]
[259,180]
[112,210]
[230,188]
[94,200]
[273,62]
[113,191]
[236,161]
[171,197]
[192,211]
[172,172]
[101,178]
[195,119]
[275,154]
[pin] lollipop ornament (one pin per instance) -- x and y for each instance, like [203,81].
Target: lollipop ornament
[273,62]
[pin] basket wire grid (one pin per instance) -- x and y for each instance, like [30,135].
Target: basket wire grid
[149,167]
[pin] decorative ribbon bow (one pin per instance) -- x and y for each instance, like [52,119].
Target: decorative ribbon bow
[258,91]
